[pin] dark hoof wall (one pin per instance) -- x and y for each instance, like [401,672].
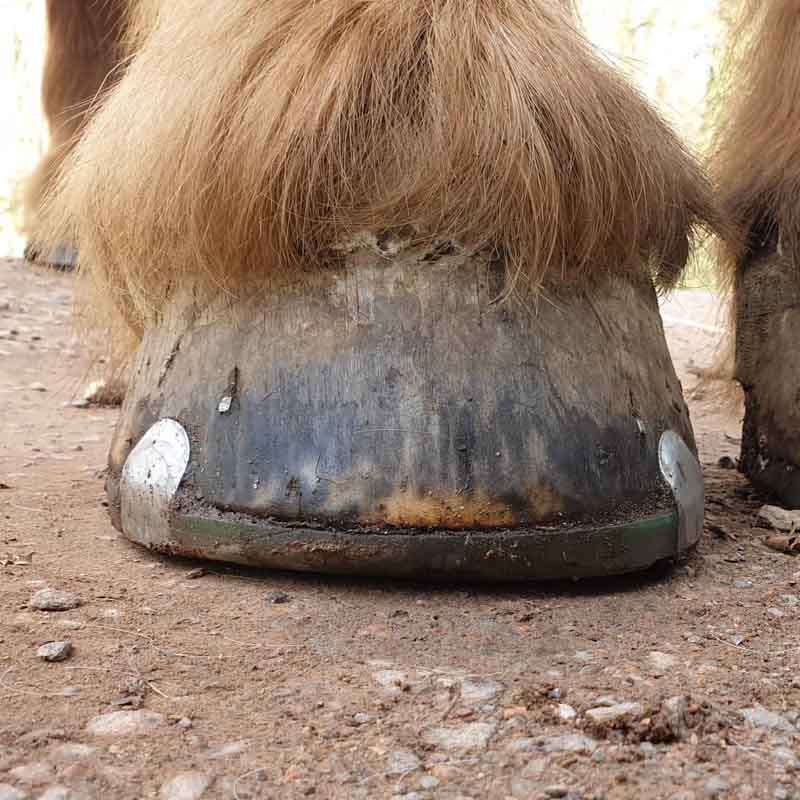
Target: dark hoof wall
[392,420]
[768,367]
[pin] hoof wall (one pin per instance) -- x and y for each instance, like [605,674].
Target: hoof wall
[390,418]
[768,367]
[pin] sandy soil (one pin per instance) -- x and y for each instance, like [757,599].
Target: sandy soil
[237,684]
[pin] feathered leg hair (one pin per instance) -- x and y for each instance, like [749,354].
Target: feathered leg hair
[250,138]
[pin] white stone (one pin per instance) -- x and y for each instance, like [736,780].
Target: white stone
[571,743]
[477,691]
[61,793]
[605,702]
[229,749]
[761,717]
[610,714]
[522,745]
[33,774]
[72,751]
[54,600]
[125,723]
[790,599]
[523,789]
[716,786]
[535,768]
[8,792]
[662,662]
[472,736]
[786,758]
[55,651]
[565,713]
[185,786]
[390,680]
[402,762]
[780,518]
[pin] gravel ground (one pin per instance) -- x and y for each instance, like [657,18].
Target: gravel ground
[177,680]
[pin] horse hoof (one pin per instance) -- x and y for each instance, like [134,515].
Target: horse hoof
[391,417]
[768,367]
[63,257]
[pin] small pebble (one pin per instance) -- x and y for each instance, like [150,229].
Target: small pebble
[401,762]
[475,691]
[54,600]
[556,791]
[34,774]
[565,713]
[716,786]
[61,793]
[194,574]
[778,518]
[726,462]
[391,680]
[277,598]
[71,751]
[185,786]
[743,583]
[662,662]
[786,758]
[522,788]
[605,701]
[55,651]
[37,387]
[471,736]
[522,745]
[571,743]
[229,749]
[760,717]
[125,723]
[608,715]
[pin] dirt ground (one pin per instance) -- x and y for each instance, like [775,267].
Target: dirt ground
[243,684]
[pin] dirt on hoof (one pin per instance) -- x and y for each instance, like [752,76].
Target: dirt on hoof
[189,680]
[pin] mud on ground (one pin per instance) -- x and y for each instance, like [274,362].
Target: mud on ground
[235,684]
